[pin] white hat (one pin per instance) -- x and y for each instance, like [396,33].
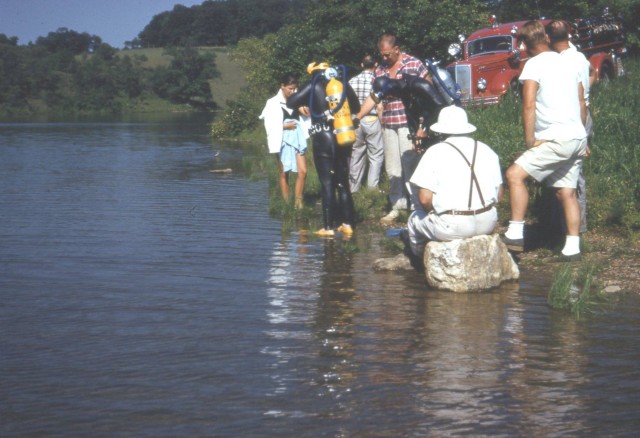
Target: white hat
[453,120]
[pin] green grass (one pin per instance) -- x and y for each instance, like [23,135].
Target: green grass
[576,290]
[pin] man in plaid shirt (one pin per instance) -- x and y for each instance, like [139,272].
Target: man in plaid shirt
[369,139]
[400,155]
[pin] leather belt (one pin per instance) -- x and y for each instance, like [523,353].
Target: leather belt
[467,212]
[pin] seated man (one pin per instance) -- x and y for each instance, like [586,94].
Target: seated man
[458,183]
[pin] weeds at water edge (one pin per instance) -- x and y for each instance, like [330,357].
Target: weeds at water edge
[576,290]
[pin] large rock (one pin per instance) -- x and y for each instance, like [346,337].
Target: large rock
[466,265]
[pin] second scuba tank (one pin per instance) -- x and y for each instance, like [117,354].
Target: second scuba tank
[342,123]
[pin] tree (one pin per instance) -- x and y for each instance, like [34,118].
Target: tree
[186,80]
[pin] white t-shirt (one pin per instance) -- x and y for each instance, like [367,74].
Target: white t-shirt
[557,104]
[443,171]
[580,62]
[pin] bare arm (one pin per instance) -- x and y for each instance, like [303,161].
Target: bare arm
[425,197]
[583,104]
[529,91]
[366,107]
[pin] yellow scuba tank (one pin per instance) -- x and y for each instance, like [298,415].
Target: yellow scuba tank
[342,123]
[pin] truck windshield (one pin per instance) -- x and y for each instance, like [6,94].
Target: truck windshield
[489,45]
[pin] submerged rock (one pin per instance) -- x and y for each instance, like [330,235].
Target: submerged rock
[398,263]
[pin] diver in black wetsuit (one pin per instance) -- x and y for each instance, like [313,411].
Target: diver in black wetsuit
[422,101]
[331,160]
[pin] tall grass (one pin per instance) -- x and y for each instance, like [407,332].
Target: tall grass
[577,291]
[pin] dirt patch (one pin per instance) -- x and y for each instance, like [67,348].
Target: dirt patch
[618,257]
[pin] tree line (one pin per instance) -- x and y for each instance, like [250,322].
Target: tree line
[72,72]
[218,23]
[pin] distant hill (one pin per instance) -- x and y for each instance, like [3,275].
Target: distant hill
[226,87]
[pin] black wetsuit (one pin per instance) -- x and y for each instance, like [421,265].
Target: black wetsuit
[330,159]
[420,98]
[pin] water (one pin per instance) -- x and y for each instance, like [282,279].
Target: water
[142,295]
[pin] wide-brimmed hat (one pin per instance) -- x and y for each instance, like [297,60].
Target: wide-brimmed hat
[453,120]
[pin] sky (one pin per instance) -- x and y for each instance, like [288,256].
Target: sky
[115,21]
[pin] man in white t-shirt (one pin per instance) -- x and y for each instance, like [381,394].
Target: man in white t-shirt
[458,183]
[558,32]
[552,113]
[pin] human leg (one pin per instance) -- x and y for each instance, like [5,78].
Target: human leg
[516,178]
[283,179]
[409,160]
[419,230]
[357,164]
[393,167]
[341,182]
[581,192]
[302,176]
[568,199]
[323,157]
[375,152]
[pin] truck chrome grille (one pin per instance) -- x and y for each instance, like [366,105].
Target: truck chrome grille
[462,75]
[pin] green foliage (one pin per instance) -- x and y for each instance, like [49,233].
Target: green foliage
[612,169]
[240,115]
[185,80]
[81,77]
[576,290]
[218,23]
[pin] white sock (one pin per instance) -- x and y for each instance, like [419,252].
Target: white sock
[571,245]
[515,230]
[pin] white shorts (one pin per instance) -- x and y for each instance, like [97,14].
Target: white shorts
[557,162]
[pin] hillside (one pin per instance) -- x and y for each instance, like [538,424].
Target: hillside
[225,87]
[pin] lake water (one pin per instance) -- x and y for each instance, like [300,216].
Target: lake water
[143,295]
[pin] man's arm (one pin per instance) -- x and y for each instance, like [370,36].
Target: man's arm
[529,92]
[425,197]
[366,107]
[583,104]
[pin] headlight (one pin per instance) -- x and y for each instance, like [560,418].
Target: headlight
[482,84]
[454,49]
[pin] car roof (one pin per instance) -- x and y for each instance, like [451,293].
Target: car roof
[500,29]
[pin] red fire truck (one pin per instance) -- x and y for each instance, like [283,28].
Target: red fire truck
[490,61]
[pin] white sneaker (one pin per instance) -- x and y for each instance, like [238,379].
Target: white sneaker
[390,217]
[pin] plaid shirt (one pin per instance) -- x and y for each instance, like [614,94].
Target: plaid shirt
[394,115]
[362,85]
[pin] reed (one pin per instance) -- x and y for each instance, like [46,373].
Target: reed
[575,289]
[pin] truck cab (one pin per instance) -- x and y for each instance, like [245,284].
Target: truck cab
[490,62]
